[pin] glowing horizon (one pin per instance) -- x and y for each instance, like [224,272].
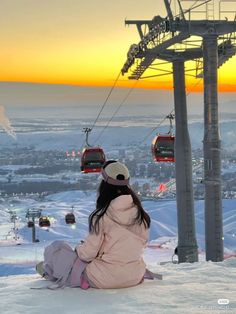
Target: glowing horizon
[190,87]
[75,43]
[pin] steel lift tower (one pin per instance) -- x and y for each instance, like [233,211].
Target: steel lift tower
[216,44]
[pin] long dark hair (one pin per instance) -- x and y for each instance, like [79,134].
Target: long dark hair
[108,192]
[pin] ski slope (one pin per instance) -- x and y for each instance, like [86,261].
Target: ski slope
[186,288]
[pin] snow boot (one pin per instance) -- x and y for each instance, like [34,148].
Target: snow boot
[39,269]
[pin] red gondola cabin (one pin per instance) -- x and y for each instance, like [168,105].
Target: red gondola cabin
[92,159]
[70,219]
[163,148]
[44,222]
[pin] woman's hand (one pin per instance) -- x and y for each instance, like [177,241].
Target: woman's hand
[80,243]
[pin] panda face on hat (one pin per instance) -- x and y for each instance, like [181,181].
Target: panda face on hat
[115,173]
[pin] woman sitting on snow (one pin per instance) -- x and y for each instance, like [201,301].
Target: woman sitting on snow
[111,255]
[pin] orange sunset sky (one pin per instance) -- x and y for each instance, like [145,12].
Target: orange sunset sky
[80,42]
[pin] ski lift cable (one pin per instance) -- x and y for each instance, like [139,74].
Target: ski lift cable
[123,101]
[116,111]
[103,106]
[154,129]
[166,117]
[106,100]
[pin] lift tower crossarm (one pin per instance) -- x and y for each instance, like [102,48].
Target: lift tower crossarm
[171,54]
[152,54]
[150,23]
[138,24]
[199,28]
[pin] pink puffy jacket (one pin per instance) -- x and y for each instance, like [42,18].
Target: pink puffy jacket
[116,252]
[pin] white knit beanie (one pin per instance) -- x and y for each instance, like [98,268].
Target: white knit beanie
[116,173]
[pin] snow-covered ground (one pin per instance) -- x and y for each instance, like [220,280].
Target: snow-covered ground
[186,288]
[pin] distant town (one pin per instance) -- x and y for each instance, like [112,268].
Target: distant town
[26,171]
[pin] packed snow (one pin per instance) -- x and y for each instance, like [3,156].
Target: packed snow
[185,288]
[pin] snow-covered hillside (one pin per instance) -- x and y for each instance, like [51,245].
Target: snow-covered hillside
[60,127]
[15,259]
[63,138]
